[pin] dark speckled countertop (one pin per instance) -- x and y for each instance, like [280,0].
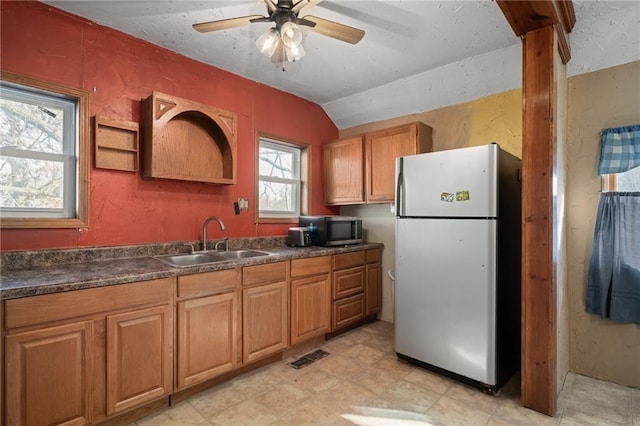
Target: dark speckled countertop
[33,273]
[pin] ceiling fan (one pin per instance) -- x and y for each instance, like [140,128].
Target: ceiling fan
[284,41]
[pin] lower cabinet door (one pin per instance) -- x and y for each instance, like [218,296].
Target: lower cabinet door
[374,288]
[264,320]
[139,361]
[347,311]
[310,307]
[207,338]
[48,376]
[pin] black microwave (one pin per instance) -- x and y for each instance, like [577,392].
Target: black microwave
[333,230]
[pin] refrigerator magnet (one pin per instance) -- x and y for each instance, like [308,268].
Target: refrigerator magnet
[447,197]
[462,196]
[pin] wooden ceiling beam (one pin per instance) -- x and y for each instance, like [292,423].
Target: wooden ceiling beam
[530,15]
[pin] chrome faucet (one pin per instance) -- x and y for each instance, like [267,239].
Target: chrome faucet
[204,233]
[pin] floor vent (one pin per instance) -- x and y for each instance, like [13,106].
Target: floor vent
[308,358]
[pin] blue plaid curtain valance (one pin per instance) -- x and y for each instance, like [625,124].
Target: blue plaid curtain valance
[619,150]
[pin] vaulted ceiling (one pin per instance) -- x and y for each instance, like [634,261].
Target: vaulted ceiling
[443,47]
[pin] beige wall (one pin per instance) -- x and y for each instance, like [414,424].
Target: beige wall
[496,118]
[608,98]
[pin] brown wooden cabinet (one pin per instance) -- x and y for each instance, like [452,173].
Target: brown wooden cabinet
[78,357]
[374,281]
[186,140]
[382,149]
[95,355]
[139,357]
[356,174]
[310,298]
[344,171]
[48,375]
[265,310]
[348,286]
[207,326]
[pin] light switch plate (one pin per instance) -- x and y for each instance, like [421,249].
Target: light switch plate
[243,204]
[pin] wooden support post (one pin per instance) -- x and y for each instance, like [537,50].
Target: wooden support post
[538,268]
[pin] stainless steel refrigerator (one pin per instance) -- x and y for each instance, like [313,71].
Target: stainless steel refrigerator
[457,263]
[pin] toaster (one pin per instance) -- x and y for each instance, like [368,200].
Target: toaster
[299,236]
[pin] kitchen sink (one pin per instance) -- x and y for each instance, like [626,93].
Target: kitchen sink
[193,259]
[241,254]
[190,259]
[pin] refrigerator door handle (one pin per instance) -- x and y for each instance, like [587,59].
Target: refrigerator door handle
[399,187]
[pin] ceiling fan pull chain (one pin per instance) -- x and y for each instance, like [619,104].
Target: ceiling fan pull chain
[284,58]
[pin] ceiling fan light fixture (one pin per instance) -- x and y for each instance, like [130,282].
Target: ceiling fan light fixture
[268,42]
[291,34]
[294,53]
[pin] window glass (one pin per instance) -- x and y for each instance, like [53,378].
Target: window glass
[37,154]
[628,181]
[43,172]
[279,179]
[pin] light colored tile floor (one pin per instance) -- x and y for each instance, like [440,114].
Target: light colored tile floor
[363,383]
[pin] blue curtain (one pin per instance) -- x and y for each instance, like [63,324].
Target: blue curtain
[619,149]
[613,283]
[613,286]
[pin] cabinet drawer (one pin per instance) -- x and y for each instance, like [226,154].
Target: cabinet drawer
[310,266]
[208,283]
[348,282]
[347,311]
[348,260]
[75,304]
[262,274]
[374,255]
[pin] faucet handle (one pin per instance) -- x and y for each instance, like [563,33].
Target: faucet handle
[191,247]
[225,242]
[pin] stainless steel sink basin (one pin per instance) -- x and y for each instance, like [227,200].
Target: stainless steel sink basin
[193,259]
[241,254]
[190,259]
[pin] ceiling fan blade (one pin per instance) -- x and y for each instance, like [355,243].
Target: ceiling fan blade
[335,30]
[223,24]
[271,5]
[304,4]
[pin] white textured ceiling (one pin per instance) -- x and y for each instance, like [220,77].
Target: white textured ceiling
[452,50]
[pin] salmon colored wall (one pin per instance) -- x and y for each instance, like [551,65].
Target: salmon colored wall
[119,70]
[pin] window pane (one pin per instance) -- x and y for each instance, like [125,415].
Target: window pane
[37,153]
[31,126]
[276,163]
[278,197]
[35,184]
[628,181]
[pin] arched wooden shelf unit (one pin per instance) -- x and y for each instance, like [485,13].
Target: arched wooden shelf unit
[185,140]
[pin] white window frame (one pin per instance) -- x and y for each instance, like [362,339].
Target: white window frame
[299,180]
[75,155]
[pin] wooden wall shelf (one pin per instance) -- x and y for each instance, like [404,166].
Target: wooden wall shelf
[185,140]
[116,144]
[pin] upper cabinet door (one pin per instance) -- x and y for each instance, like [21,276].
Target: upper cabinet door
[344,171]
[382,148]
